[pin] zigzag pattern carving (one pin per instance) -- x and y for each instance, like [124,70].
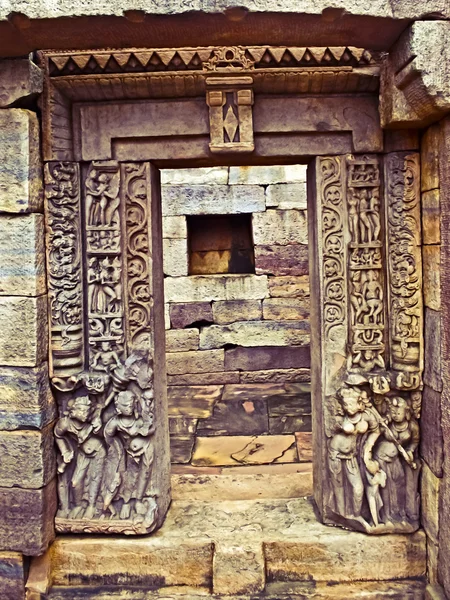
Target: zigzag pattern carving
[203,59]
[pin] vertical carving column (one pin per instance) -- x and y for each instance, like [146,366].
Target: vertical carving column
[105,261]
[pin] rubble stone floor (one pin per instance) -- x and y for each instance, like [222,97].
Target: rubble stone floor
[240,549]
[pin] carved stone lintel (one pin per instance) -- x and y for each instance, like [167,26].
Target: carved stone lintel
[230,101]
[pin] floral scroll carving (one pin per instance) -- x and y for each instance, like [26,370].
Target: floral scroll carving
[100,268]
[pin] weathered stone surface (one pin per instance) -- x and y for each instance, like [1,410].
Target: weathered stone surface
[430,485]
[433,370]
[282,260]
[285,309]
[174,227]
[195,176]
[262,358]
[289,287]
[216,287]
[182,425]
[267,175]
[12,572]
[431,226]
[193,401]
[276,376]
[196,361]
[238,569]
[435,592]
[431,439]
[25,398]
[242,410]
[27,523]
[286,196]
[181,340]
[255,333]
[181,448]
[175,257]
[27,458]
[236,310]
[21,176]
[304,446]
[286,425]
[22,258]
[245,450]
[212,199]
[218,378]
[294,402]
[431,276]
[432,561]
[166,316]
[280,227]
[429,159]
[23,323]
[19,79]
[183,315]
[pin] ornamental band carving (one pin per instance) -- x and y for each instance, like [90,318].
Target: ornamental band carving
[102,368]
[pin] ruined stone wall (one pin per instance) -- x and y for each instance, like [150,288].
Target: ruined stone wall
[238,353]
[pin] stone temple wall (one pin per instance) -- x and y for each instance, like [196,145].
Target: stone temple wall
[238,352]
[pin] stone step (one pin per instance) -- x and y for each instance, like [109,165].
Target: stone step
[235,548]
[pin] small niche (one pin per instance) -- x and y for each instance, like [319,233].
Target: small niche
[220,244]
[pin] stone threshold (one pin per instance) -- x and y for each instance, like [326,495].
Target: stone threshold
[236,549]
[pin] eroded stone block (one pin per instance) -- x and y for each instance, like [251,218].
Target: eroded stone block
[20,78]
[282,260]
[27,458]
[175,257]
[23,323]
[212,200]
[21,173]
[25,398]
[289,287]
[262,358]
[185,314]
[276,376]
[182,340]
[215,287]
[22,257]
[195,176]
[266,175]
[280,227]
[181,448]
[431,276]
[430,485]
[304,445]
[431,439]
[285,309]
[236,310]
[174,227]
[193,401]
[218,378]
[429,158]
[286,196]
[12,574]
[255,333]
[179,363]
[431,213]
[432,375]
[238,569]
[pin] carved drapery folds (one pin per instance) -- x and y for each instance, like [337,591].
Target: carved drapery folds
[100,298]
[371,342]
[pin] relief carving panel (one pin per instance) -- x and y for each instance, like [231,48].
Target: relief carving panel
[100,304]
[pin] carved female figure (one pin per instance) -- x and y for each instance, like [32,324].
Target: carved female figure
[373,297]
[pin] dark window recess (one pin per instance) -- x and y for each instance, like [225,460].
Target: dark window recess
[220,244]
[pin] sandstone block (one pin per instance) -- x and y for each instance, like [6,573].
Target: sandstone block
[280,227]
[212,199]
[267,175]
[166,316]
[286,196]
[433,370]
[285,309]
[12,571]
[294,402]
[174,227]
[435,592]
[23,323]
[20,78]
[183,315]
[286,425]
[195,402]
[219,378]
[244,450]
[276,376]
[27,523]
[255,333]
[21,173]
[182,340]
[304,446]
[431,276]
[236,310]
[432,563]
[22,258]
[181,448]
[289,287]
[261,358]
[238,569]
[175,257]
[25,398]
[182,425]
[431,213]
[431,439]
[180,363]
[430,485]
[27,458]
[215,287]
[282,260]
[195,176]
[429,159]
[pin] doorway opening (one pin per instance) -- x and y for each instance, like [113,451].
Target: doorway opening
[237,306]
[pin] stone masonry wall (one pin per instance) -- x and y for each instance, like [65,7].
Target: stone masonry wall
[238,345]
